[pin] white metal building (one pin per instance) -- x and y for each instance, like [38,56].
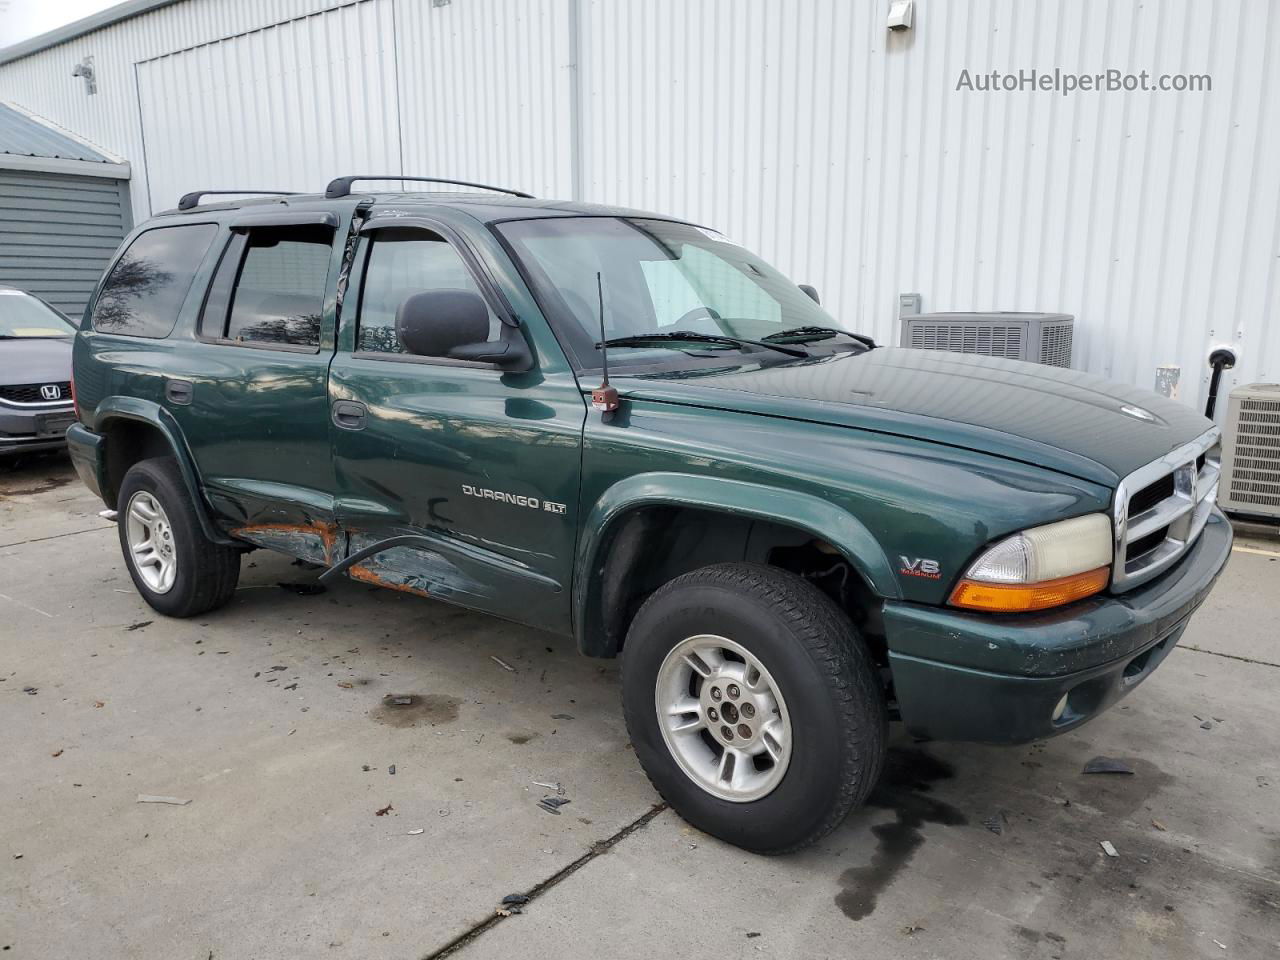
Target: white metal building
[848,155]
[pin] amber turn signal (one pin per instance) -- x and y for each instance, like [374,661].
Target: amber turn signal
[1024,597]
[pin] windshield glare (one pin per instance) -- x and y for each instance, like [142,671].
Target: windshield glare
[658,277]
[22,315]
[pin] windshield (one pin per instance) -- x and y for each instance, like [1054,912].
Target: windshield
[658,277]
[22,315]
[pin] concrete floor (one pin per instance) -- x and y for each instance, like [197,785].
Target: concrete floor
[269,717]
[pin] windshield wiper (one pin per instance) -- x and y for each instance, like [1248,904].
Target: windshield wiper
[689,336]
[813,333]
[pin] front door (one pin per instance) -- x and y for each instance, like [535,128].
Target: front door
[474,472]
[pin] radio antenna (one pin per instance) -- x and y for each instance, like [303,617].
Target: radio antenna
[604,397]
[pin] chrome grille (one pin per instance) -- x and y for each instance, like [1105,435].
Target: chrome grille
[29,393]
[1161,508]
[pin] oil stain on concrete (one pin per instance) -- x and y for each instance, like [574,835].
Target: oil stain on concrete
[421,709]
[907,779]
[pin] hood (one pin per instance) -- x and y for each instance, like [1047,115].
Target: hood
[34,360]
[1061,419]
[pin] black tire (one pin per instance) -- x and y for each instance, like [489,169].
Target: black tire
[207,572]
[824,672]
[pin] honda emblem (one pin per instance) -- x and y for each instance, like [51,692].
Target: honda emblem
[51,391]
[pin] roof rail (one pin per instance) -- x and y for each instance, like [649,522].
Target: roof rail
[192,199]
[341,186]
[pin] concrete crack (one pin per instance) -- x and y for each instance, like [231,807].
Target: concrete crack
[1228,656]
[69,533]
[597,848]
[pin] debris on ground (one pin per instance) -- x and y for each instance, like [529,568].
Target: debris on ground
[1221,944]
[176,801]
[1207,725]
[1107,765]
[99,704]
[32,691]
[345,685]
[504,912]
[550,785]
[502,663]
[994,825]
[138,626]
[562,716]
[414,833]
[383,811]
[1159,826]
[58,754]
[553,804]
[752,934]
[303,589]
[278,668]
[17,856]
[514,899]
[1108,848]
[392,770]
[365,767]
[292,686]
[399,700]
[909,930]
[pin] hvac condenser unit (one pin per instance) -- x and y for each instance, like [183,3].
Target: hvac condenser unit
[1038,337]
[1251,452]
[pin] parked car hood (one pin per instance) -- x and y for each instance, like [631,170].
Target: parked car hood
[1062,419]
[35,360]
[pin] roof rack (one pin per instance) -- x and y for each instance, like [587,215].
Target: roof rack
[341,186]
[192,199]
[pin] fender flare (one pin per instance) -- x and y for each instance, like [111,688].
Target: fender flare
[161,420]
[820,517]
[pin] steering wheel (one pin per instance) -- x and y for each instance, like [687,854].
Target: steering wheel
[686,322]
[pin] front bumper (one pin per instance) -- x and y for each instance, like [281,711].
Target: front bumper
[26,428]
[993,679]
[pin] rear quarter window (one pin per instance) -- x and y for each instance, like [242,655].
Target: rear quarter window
[146,288]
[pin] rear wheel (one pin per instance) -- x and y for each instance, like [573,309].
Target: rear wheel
[753,706]
[178,570]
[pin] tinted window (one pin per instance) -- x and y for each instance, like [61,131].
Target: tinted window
[402,263]
[145,289]
[279,294]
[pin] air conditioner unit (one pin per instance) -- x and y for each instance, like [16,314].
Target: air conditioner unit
[1038,337]
[1250,481]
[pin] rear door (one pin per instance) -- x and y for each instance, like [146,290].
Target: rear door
[250,388]
[474,471]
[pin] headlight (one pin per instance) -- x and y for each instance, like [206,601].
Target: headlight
[1039,568]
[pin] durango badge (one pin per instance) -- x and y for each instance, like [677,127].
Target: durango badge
[920,567]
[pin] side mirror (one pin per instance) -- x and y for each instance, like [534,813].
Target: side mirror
[437,322]
[810,291]
[455,324]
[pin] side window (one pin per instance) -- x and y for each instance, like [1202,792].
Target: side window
[146,288]
[401,263]
[270,287]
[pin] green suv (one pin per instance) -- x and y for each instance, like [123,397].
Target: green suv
[624,428]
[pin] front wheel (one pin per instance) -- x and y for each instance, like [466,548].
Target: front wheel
[176,568]
[753,705]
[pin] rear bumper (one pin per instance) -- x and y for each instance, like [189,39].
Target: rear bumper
[964,676]
[88,456]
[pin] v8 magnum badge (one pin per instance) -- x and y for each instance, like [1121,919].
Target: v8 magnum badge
[920,567]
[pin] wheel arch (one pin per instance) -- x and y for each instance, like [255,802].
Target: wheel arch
[134,429]
[623,527]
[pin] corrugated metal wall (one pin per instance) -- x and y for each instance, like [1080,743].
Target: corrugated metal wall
[57,233]
[805,130]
